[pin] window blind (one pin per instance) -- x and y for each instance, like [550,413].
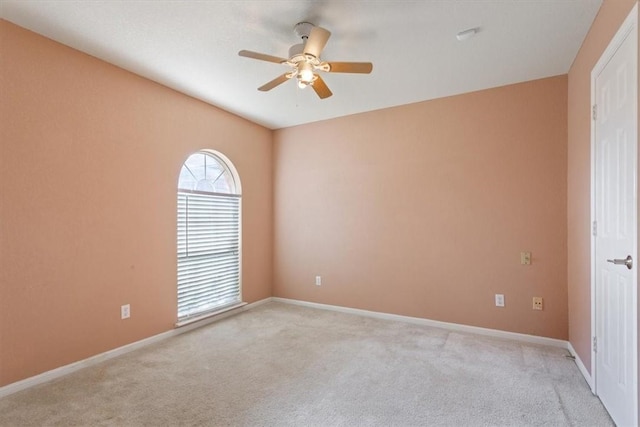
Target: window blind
[208,252]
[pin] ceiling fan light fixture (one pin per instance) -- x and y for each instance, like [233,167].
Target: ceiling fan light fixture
[306,76]
[305,72]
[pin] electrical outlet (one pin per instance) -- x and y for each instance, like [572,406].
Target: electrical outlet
[499,300]
[125,311]
[318,280]
[537,303]
[525,258]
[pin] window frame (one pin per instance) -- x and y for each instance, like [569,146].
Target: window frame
[228,166]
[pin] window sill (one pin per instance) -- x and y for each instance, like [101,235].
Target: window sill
[212,315]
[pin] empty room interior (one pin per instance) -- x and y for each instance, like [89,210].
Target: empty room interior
[206,221]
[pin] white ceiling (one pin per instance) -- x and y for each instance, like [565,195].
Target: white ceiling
[192,46]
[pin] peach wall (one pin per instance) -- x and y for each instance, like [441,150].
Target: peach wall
[423,210]
[609,18]
[89,160]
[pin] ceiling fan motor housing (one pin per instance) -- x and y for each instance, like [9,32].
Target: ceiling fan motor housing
[296,51]
[298,57]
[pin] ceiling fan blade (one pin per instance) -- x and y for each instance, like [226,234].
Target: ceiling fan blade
[275,82]
[261,56]
[321,88]
[317,40]
[350,67]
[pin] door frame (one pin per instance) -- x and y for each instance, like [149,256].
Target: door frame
[630,24]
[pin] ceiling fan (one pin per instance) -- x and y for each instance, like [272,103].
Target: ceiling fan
[304,60]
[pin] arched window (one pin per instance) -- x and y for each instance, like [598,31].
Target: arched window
[208,235]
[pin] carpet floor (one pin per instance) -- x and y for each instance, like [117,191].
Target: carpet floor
[284,365]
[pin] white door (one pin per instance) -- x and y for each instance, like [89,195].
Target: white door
[616,258]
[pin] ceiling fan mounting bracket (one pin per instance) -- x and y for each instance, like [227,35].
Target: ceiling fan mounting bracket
[303,29]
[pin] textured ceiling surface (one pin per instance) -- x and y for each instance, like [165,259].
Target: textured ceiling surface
[192,46]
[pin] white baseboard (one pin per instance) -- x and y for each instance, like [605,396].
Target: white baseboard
[582,368]
[94,360]
[434,323]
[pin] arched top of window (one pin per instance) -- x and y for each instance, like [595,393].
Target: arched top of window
[205,172]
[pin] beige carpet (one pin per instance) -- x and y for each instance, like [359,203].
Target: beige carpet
[284,365]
